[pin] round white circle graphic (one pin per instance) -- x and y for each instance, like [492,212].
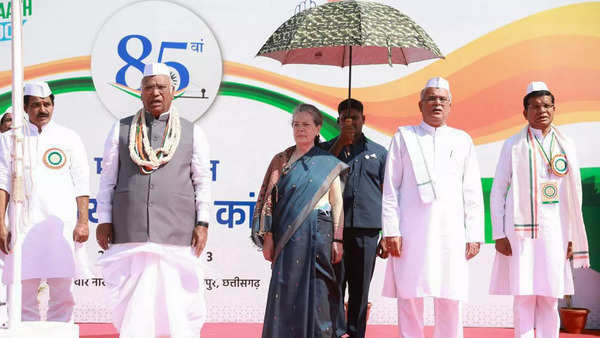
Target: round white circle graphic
[156,31]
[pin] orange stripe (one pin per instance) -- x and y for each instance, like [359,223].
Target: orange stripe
[486,87]
[78,63]
[488,76]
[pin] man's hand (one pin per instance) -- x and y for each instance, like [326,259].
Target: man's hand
[337,252]
[346,138]
[104,235]
[570,250]
[81,232]
[199,237]
[394,245]
[268,246]
[382,250]
[5,237]
[472,249]
[347,133]
[503,246]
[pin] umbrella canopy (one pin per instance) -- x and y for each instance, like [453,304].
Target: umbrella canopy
[347,33]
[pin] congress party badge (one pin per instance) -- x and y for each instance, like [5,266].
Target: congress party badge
[549,192]
[54,158]
[559,165]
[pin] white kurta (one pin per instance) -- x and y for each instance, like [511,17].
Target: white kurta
[56,172]
[537,266]
[434,235]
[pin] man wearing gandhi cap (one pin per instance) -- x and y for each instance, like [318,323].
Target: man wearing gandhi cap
[432,213]
[537,222]
[153,212]
[56,173]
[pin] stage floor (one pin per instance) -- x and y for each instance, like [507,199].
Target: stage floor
[249,330]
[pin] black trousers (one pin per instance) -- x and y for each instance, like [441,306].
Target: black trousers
[356,270]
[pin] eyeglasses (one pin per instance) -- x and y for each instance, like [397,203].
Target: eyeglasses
[434,99]
[541,107]
[161,88]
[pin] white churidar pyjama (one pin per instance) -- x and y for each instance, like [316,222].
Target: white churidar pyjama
[447,314]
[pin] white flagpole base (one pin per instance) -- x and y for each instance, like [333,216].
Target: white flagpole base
[42,330]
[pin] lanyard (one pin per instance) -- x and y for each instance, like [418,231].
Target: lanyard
[543,152]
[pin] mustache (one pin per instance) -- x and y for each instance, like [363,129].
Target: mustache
[43,115]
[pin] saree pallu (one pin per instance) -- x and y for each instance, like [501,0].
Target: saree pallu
[303,292]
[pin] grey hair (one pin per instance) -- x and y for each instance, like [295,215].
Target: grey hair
[316,116]
[312,110]
[423,93]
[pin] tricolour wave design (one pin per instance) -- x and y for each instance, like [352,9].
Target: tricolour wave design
[488,76]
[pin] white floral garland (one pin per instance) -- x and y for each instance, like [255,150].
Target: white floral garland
[171,141]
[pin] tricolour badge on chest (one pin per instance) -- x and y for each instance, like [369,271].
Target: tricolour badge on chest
[54,158]
[549,192]
[559,165]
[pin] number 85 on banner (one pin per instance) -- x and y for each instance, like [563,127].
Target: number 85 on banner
[126,44]
[139,64]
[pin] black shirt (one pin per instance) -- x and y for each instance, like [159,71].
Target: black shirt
[362,193]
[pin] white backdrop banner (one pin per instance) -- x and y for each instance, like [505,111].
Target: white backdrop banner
[92,54]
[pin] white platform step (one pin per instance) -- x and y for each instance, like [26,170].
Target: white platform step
[42,330]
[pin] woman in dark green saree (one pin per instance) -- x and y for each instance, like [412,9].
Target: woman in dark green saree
[298,222]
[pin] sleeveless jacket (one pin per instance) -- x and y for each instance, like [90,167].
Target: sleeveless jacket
[158,207]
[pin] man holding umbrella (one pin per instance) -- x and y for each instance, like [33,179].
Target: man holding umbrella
[332,34]
[362,213]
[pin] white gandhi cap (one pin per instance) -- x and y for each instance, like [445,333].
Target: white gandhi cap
[438,82]
[39,89]
[536,86]
[153,69]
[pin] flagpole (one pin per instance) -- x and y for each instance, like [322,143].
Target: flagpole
[17,194]
[16,327]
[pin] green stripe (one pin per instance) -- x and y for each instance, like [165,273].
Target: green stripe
[68,85]
[328,130]
[125,91]
[590,184]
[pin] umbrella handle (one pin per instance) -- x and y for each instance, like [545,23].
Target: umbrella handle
[349,75]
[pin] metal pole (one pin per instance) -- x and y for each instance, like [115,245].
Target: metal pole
[348,121]
[349,76]
[17,194]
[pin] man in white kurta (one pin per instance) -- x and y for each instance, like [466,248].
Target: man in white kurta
[154,214]
[531,260]
[432,216]
[57,193]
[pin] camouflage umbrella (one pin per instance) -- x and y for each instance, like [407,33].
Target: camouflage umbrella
[350,32]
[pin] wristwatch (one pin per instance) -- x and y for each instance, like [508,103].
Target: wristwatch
[202,224]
